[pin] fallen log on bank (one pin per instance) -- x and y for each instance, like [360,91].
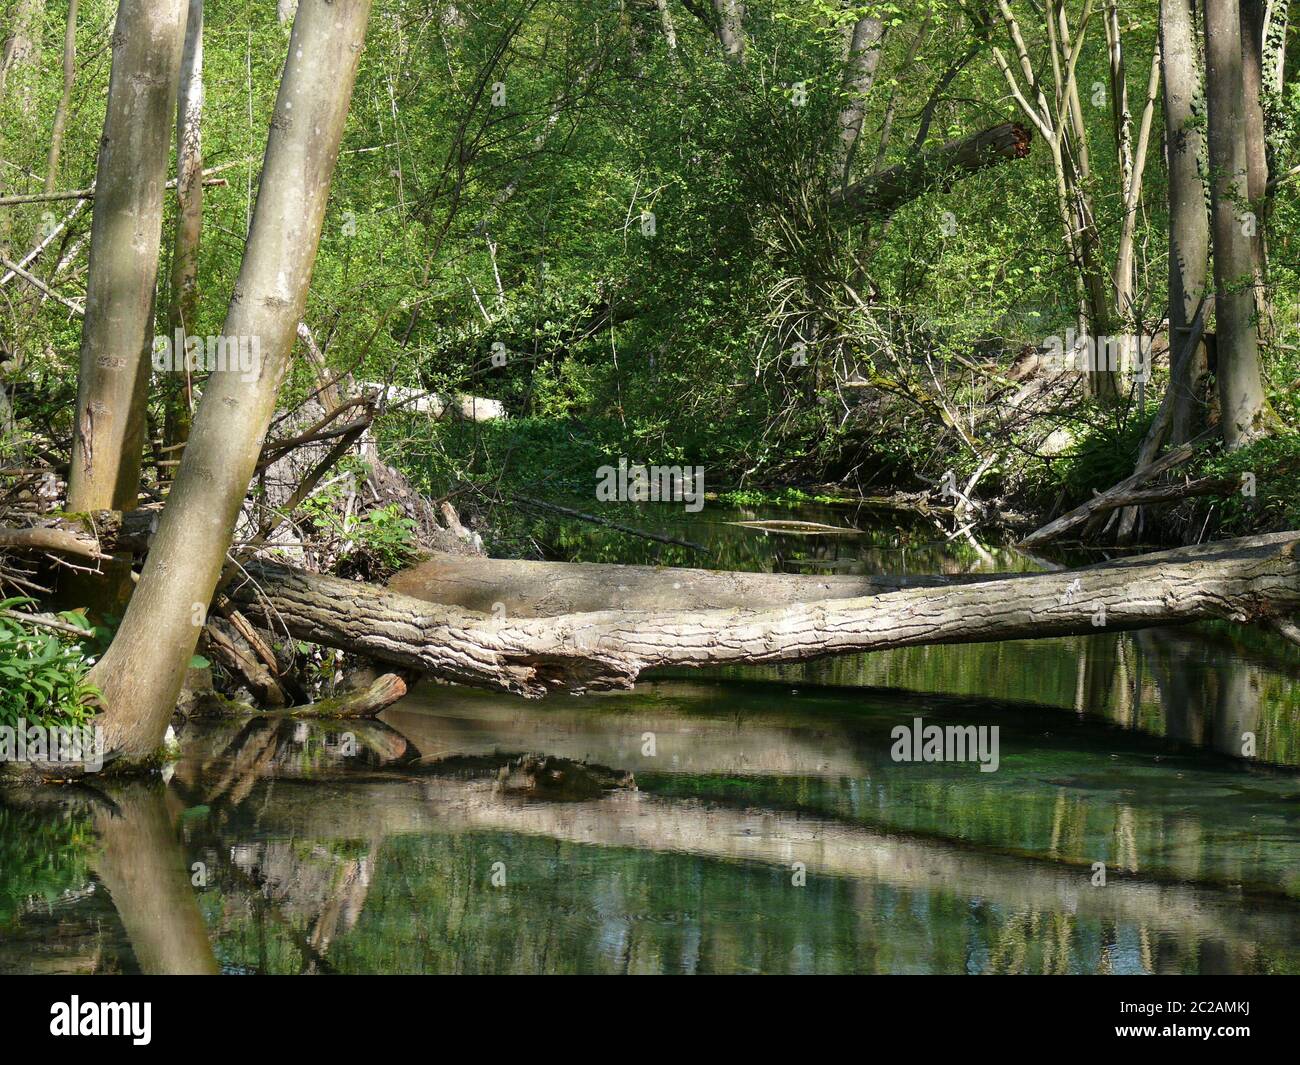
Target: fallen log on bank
[1246,580]
[558,632]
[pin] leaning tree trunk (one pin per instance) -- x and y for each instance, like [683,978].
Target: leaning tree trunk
[140,675]
[1189,222]
[183,308]
[889,189]
[1244,407]
[863,61]
[117,336]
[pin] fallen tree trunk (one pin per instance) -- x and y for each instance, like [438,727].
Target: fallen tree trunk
[366,703]
[546,589]
[1169,493]
[889,189]
[558,634]
[1237,580]
[1104,500]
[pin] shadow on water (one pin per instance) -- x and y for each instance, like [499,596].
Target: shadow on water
[754,822]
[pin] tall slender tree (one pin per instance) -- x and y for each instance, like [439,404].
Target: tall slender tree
[1242,400]
[140,675]
[183,307]
[865,42]
[117,335]
[1189,221]
[65,100]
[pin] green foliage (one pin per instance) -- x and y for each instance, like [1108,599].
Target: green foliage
[42,859]
[387,534]
[1274,463]
[42,673]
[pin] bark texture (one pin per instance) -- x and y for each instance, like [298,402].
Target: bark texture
[1242,401]
[1189,221]
[65,100]
[865,46]
[1239,580]
[117,336]
[183,308]
[546,589]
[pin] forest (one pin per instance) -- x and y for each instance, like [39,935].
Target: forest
[361,362]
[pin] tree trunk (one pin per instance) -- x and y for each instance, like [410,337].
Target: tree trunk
[61,112]
[865,47]
[889,189]
[1254,15]
[117,335]
[1243,405]
[1240,580]
[667,25]
[730,15]
[141,674]
[1189,222]
[22,47]
[517,589]
[183,309]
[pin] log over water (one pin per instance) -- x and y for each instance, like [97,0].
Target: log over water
[1256,579]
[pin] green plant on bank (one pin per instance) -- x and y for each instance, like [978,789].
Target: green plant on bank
[1272,468]
[42,674]
[383,536]
[387,535]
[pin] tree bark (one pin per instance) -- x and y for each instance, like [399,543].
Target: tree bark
[730,15]
[1243,405]
[382,693]
[1189,221]
[141,674]
[865,48]
[545,589]
[1253,17]
[117,335]
[1238,580]
[61,111]
[182,311]
[23,45]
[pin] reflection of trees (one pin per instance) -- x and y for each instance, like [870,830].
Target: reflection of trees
[434,825]
[361,847]
[140,861]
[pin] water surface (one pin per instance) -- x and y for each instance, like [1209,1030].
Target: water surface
[746,821]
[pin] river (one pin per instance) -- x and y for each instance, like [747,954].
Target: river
[769,827]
